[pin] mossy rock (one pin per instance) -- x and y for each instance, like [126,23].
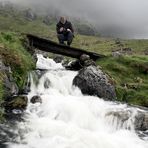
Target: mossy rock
[16,102]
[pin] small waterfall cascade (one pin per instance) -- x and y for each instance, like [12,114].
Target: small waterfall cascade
[67,119]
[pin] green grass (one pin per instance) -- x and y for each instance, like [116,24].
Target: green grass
[16,56]
[24,26]
[137,45]
[126,73]
[95,44]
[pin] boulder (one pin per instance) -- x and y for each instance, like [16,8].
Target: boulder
[84,61]
[92,81]
[36,99]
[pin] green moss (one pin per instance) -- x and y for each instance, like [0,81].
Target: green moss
[18,102]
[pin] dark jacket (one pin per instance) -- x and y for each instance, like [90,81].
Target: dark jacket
[66,26]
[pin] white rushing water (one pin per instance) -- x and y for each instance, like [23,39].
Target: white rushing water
[68,119]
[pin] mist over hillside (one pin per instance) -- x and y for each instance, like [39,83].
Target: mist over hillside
[117,18]
[25,19]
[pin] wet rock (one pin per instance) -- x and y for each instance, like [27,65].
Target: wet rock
[84,57]
[47,83]
[74,65]
[66,62]
[37,74]
[58,59]
[10,87]
[84,61]
[145,123]
[16,102]
[120,115]
[6,135]
[92,81]
[36,99]
[26,89]
[139,120]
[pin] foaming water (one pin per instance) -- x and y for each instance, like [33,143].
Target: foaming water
[68,119]
[46,63]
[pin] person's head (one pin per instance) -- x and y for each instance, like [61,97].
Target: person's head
[63,19]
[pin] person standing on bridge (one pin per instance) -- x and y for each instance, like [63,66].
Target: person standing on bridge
[65,31]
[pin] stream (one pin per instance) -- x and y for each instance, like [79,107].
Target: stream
[68,119]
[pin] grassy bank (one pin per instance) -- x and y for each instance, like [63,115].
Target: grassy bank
[128,73]
[14,55]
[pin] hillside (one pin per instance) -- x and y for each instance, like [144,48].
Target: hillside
[26,20]
[128,70]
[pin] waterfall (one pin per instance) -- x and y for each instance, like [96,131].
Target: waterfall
[68,119]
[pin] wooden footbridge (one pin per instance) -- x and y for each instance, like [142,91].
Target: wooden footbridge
[50,46]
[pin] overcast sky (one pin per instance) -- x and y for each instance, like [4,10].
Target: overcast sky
[126,18]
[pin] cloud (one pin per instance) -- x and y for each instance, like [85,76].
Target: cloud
[123,18]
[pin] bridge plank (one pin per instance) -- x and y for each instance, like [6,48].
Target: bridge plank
[50,46]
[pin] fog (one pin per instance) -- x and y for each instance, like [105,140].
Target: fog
[120,18]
